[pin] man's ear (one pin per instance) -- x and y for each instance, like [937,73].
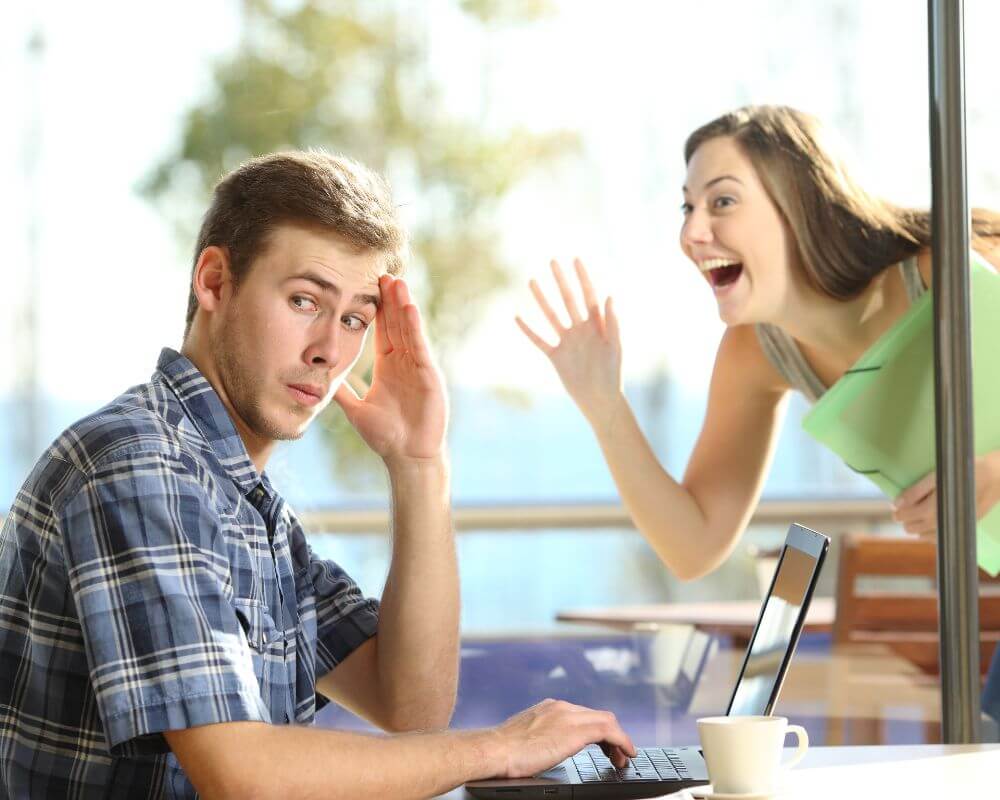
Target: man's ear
[212,279]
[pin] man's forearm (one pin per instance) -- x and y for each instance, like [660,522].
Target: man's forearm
[304,762]
[418,623]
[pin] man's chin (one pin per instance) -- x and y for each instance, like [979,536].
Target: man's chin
[283,430]
[296,429]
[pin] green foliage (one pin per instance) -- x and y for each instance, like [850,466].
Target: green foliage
[351,76]
[500,11]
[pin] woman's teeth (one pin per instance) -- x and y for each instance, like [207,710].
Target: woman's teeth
[721,271]
[716,263]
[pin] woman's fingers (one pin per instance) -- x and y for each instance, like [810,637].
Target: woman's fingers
[543,303]
[566,292]
[919,517]
[922,527]
[538,341]
[917,492]
[589,295]
[611,321]
[920,509]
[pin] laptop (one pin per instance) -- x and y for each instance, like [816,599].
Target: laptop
[659,770]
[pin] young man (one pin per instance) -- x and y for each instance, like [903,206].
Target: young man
[164,626]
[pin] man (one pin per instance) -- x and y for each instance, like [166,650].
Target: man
[164,626]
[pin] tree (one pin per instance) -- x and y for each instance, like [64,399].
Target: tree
[351,76]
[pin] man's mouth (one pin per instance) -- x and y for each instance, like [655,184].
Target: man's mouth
[305,393]
[721,271]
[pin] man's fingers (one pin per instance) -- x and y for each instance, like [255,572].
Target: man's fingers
[403,297]
[589,295]
[608,733]
[616,754]
[408,324]
[547,310]
[382,344]
[347,398]
[413,336]
[391,311]
[404,304]
[566,292]
[537,340]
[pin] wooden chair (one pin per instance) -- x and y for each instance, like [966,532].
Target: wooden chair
[901,623]
[904,620]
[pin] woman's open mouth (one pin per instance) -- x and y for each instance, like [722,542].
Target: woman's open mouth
[721,272]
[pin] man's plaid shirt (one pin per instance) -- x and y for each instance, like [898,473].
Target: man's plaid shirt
[151,579]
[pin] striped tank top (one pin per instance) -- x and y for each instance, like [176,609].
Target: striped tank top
[782,351]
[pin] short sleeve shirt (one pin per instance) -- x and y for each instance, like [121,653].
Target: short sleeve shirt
[151,579]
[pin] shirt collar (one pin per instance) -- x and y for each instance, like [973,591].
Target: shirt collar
[204,408]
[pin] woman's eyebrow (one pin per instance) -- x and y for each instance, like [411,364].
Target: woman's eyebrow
[714,181]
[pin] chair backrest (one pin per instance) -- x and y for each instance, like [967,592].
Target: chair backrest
[905,619]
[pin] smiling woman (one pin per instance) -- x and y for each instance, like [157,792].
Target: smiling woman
[807,269]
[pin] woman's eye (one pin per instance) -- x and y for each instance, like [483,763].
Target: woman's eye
[723,202]
[303,303]
[686,208]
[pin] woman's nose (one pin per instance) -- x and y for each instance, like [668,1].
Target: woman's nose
[697,227]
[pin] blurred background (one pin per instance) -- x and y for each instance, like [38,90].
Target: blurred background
[512,132]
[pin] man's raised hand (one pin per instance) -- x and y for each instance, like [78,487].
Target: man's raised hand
[404,415]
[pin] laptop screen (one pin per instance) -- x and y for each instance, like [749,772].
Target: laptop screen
[777,631]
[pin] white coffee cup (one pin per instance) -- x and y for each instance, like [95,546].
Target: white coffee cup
[743,754]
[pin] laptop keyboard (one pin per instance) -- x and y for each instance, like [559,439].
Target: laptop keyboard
[650,764]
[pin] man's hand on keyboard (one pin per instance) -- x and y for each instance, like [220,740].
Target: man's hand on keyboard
[545,734]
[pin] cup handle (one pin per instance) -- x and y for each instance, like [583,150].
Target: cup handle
[800,751]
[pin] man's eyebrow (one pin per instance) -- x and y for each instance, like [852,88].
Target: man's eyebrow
[368,300]
[714,181]
[328,286]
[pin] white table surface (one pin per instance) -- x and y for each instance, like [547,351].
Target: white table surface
[889,772]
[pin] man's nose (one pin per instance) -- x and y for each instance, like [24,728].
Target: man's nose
[324,349]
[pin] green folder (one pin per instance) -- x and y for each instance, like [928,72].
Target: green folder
[879,417]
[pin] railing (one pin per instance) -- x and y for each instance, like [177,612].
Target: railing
[827,515]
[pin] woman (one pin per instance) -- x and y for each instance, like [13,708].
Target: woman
[808,271]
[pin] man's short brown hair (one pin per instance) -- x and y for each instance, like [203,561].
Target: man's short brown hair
[314,189]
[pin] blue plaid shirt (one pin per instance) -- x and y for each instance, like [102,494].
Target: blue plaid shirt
[150,580]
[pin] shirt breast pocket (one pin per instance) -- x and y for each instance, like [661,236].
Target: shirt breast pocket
[257,624]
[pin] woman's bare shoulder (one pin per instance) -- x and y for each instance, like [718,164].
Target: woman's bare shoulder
[741,355]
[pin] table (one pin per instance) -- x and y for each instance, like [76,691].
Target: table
[729,618]
[916,772]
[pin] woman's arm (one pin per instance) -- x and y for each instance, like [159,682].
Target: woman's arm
[694,524]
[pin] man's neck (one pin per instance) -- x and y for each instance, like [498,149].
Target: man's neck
[258,449]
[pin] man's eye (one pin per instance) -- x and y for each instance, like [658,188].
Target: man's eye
[303,303]
[355,323]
